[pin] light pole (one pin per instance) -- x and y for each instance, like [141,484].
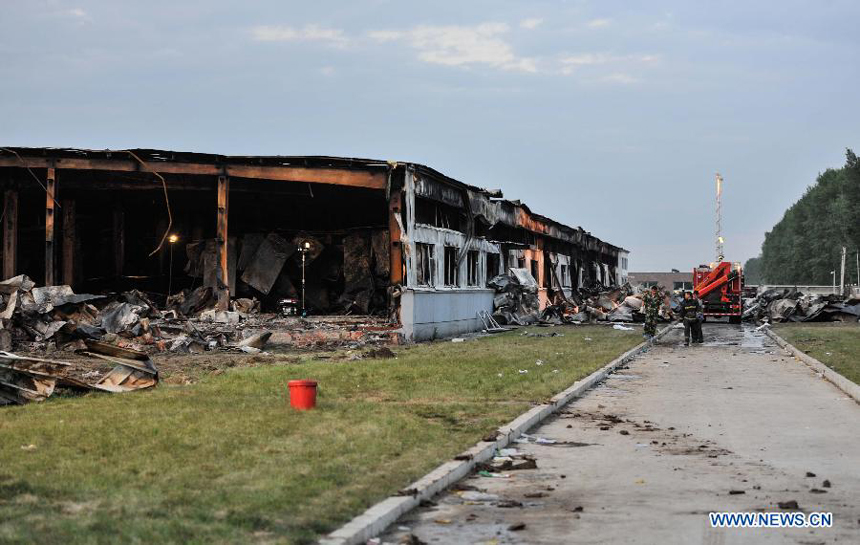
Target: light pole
[304,250]
[172,239]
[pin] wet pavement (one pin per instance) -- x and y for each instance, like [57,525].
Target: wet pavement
[733,425]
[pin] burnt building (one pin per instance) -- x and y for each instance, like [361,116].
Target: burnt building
[376,237]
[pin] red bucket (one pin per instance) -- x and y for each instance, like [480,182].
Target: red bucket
[303,394]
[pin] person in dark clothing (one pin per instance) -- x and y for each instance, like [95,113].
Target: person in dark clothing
[697,327]
[690,316]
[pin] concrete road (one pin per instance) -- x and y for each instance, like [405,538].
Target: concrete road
[732,425]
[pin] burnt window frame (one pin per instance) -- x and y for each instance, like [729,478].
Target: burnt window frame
[492,273]
[473,268]
[449,267]
[425,264]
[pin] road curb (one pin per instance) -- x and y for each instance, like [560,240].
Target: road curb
[844,384]
[381,515]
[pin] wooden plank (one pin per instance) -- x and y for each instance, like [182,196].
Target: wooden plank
[222,241]
[10,233]
[396,249]
[118,239]
[69,240]
[333,176]
[51,186]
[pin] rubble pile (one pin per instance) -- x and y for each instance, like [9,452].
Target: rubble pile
[54,317]
[786,305]
[516,301]
[106,368]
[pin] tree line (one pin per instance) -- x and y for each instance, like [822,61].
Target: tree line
[806,244]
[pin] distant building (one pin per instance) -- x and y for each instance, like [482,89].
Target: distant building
[670,280]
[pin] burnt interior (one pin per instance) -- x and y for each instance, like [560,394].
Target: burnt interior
[120,218]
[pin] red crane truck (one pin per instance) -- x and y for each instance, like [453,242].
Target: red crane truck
[720,286]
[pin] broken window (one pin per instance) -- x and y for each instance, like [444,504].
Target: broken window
[534,267]
[565,276]
[472,260]
[425,264]
[547,273]
[521,263]
[437,214]
[451,276]
[492,266]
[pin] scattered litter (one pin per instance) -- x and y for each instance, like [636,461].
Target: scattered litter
[622,328]
[826,483]
[523,371]
[458,340]
[736,492]
[485,473]
[516,527]
[539,362]
[509,504]
[442,521]
[477,496]
[534,495]
[790,504]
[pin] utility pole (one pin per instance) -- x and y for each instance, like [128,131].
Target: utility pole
[719,218]
[833,276]
[842,273]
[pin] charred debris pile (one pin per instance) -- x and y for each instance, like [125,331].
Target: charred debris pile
[102,341]
[517,303]
[787,305]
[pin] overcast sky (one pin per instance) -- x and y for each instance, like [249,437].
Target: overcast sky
[609,115]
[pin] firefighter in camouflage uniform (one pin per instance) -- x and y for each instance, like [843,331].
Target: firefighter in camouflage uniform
[651,308]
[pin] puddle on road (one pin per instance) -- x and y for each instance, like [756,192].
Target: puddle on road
[744,336]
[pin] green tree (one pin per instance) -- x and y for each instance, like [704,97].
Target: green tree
[752,271]
[806,244]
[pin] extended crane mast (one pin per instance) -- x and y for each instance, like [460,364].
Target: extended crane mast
[721,283]
[719,218]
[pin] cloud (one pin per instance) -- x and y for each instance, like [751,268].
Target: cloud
[463,46]
[327,71]
[309,33]
[78,15]
[590,61]
[531,23]
[586,59]
[598,23]
[622,78]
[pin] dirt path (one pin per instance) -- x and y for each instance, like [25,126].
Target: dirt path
[734,425]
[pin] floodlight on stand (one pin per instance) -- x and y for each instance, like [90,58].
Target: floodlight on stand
[172,239]
[304,248]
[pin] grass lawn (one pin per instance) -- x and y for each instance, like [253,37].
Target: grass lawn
[225,459]
[834,344]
